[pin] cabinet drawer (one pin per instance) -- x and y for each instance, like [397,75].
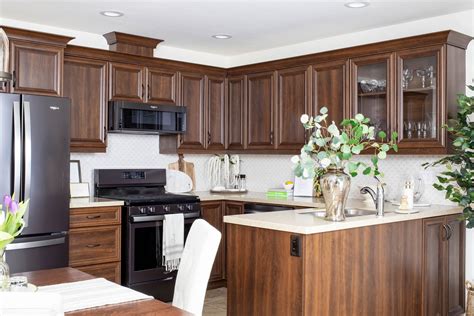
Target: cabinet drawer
[95,216]
[94,245]
[109,271]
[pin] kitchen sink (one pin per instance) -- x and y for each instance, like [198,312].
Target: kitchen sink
[350,212]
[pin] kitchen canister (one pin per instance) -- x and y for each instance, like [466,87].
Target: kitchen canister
[470,299]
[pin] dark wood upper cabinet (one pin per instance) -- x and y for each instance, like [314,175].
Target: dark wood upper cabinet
[260,110]
[36,61]
[127,82]
[420,104]
[215,112]
[236,123]
[372,91]
[192,97]
[85,83]
[213,213]
[329,88]
[37,69]
[161,86]
[293,94]
[443,266]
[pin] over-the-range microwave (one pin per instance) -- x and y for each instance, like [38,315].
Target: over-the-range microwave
[140,118]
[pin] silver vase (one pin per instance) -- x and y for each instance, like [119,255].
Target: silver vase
[335,185]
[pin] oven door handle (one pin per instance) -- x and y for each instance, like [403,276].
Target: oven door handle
[155,218]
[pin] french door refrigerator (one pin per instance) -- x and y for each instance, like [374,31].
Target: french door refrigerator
[34,164]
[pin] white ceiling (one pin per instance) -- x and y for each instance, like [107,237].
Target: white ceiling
[254,25]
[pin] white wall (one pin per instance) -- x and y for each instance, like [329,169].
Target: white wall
[270,171]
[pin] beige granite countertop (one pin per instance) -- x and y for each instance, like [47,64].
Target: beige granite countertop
[93,202]
[261,197]
[310,223]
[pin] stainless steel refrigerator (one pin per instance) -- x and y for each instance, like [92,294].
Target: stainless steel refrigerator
[34,164]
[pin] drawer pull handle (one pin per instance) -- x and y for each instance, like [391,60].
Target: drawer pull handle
[93,245]
[93,216]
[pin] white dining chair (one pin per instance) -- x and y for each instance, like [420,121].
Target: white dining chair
[34,304]
[195,267]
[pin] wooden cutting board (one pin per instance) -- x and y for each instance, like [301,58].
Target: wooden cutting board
[186,167]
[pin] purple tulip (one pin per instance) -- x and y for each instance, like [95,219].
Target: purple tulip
[7,200]
[13,207]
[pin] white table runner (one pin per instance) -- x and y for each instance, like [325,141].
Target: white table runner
[92,293]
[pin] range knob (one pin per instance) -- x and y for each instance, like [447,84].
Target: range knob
[181,207]
[167,208]
[151,209]
[142,210]
[189,207]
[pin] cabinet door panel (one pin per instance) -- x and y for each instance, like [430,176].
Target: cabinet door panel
[455,266]
[212,213]
[236,113]
[231,208]
[161,86]
[126,82]
[215,113]
[433,253]
[420,103]
[192,97]
[329,85]
[37,69]
[372,91]
[85,82]
[292,103]
[260,111]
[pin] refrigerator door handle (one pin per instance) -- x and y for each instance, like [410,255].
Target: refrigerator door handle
[27,144]
[16,150]
[36,244]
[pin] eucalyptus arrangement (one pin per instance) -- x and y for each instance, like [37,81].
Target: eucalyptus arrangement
[331,146]
[458,178]
[330,150]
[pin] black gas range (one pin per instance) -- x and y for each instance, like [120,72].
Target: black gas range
[145,205]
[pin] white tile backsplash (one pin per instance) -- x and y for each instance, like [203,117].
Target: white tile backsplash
[263,171]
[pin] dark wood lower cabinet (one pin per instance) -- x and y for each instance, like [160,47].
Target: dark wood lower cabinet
[212,213]
[443,266]
[404,268]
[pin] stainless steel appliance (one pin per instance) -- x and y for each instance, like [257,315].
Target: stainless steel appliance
[34,164]
[252,208]
[146,203]
[128,117]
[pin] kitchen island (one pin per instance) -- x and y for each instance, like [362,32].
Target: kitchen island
[289,263]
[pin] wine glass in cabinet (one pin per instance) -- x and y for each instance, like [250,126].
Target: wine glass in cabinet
[419,112]
[372,93]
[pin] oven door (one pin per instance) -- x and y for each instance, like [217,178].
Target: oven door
[143,251]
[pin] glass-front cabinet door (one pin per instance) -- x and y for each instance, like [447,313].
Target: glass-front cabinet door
[419,98]
[371,89]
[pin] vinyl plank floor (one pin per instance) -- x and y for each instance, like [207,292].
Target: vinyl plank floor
[216,302]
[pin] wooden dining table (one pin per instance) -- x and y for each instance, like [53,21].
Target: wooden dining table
[65,275]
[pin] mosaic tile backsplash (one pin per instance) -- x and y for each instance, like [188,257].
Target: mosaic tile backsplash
[263,171]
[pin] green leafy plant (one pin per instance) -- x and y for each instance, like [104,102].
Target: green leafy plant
[331,145]
[458,178]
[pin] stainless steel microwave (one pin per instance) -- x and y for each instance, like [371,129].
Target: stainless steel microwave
[140,118]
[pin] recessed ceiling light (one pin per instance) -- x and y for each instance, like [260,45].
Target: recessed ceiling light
[222,36]
[112,14]
[356,4]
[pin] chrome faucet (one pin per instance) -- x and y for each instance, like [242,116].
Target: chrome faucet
[377,197]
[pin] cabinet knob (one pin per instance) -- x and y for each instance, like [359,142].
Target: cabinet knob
[208,138]
[447,231]
[271,137]
[143,91]
[148,92]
